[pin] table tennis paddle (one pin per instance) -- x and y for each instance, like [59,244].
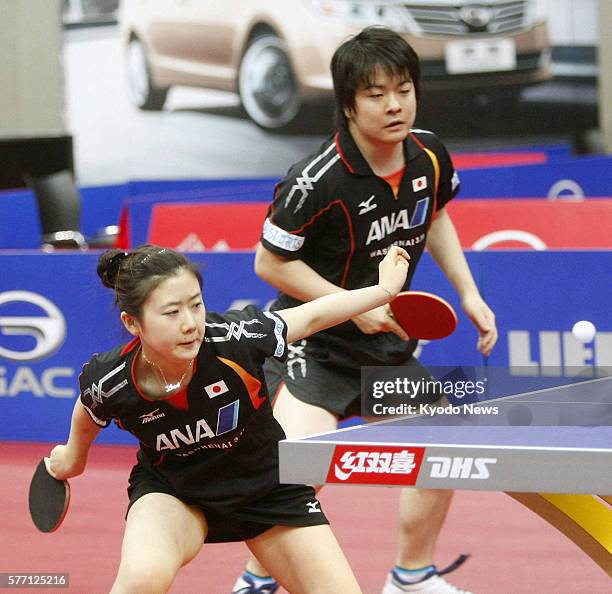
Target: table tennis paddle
[48,499]
[423,315]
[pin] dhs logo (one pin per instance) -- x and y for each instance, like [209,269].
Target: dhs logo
[460,467]
[47,329]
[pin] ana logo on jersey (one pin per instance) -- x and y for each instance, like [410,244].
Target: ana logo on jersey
[48,331]
[216,389]
[366,205]
[381,228]
[227,420]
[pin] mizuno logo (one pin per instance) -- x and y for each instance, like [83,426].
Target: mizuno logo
[152,416]
[313,507]
[366,205]
[96,391]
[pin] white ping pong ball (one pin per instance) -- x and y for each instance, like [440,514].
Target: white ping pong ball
[584,331]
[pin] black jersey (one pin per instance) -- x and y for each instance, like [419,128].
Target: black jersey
[332,212]
[222,445]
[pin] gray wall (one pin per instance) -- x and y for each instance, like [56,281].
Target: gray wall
[31,71]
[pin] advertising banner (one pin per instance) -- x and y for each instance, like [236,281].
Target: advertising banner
[55,313]
[532,224]
[133,204]
[481,224]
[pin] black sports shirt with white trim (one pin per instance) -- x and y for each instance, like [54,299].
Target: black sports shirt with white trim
[222,443]
[335,214]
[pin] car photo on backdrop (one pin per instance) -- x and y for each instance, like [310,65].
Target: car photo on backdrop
[275,54]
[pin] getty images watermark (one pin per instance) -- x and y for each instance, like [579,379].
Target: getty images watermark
[399,391]
[488,395]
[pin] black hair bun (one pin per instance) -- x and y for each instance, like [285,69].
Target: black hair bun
[108,266]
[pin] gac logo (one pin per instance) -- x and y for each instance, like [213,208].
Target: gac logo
[48,331]
[458,467]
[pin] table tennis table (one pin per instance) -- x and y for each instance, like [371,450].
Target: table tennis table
[551,450]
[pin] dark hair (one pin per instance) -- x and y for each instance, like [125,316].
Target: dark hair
[355,62]
[133,275]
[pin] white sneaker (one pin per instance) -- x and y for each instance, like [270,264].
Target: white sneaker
[434,584]
[245,584]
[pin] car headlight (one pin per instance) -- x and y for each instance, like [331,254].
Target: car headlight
[362,12]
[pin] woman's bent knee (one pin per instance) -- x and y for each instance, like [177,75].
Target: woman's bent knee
[144,580]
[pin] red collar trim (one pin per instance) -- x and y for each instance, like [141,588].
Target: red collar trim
[341,153]
[130,345]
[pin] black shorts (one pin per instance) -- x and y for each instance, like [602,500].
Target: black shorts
[284,505]
[326,371]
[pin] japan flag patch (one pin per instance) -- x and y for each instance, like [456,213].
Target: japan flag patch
[216,389]
[419,183]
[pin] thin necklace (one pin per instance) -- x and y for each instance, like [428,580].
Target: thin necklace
[166,386]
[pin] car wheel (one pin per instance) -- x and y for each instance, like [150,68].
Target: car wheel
[268,90]
[141,90]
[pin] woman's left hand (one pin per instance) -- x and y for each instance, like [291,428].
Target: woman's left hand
[393,269]
[483,318]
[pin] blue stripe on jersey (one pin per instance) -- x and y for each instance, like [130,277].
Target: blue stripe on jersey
[227,418]
[420,213]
